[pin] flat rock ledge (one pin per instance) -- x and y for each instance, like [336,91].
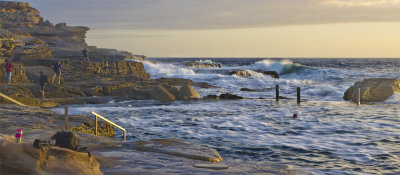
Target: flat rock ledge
[373,90]
[178,148]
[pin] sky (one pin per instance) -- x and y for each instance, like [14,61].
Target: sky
[235,28]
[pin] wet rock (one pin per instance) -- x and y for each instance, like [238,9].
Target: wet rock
[179,148]
[247,89]
[243,73]
[161,94]
[187,92]
[228,96]
[373,90]
[211,97]
[205,85]
[249,73]
[273,74]
[203,65]
[214,166]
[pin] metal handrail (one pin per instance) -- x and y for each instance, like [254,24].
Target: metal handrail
[97,115]
[12,100]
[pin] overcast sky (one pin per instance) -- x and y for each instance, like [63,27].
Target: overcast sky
[224,28]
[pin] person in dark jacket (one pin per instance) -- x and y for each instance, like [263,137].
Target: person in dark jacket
[42,82]
[57,72]
[86,54]
[9,66]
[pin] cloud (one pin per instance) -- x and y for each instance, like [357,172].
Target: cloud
[362,3]
[214,14]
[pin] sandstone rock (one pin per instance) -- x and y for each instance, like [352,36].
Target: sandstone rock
[373,90]
[48,105]
[179,148]
[174,81]
[93,91]
[161,94]
[30,101]
[17,14]
[25,159]
[33,73]
[33,49]
[187,92]
[18,73]
[8,42]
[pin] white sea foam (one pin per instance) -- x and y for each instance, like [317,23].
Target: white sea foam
[394,99]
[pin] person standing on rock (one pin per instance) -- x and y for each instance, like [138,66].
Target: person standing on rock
[57,72]
[105,64]
[86,54]
[42,81]
[8,67]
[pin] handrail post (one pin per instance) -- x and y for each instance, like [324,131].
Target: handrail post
[96,124]
[108,121]
[298,95]
[359,97]
[277,92]
[124,135]
[66,118]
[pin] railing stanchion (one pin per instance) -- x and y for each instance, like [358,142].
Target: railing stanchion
[96,124]
[97,115]
[66,118]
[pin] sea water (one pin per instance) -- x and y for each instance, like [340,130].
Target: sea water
[330,136]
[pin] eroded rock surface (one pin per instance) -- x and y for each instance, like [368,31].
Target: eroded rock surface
[25,159]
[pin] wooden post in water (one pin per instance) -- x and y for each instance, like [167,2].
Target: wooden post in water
[298,95]
[359,97]
[96,124]
[277,92]
[66,118]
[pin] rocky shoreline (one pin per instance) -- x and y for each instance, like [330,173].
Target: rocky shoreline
[35,45]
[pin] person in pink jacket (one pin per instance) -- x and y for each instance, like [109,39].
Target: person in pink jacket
[9,67]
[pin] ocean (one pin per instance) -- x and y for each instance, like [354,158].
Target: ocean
[330,136]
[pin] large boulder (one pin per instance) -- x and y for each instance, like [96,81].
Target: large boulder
[373,90]
[161,94]
[187,92]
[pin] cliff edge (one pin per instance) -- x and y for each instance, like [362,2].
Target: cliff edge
[25,35]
